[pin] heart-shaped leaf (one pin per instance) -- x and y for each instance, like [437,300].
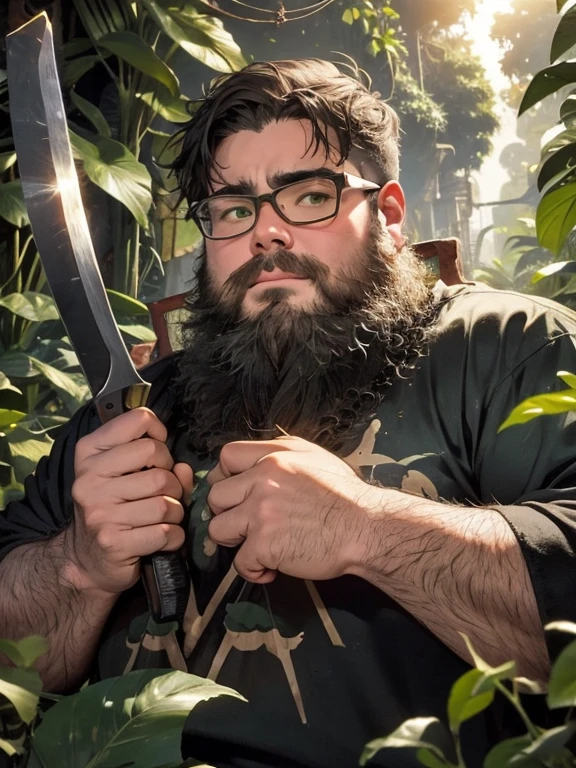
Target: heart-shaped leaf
[31,305]
[548,81]
[463,703]
[112,167]
[556,216]
[23,653]
[501,755]
[22,687]
[12,206]
[134,720]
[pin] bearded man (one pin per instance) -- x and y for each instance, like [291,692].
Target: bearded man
[355,510]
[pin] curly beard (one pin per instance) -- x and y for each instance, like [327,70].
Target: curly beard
[318,373]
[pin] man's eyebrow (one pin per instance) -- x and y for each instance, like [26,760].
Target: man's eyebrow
[282,178]
[279,179]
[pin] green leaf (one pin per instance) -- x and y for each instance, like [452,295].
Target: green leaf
[202,37]
[558,268]
[12,206]
[548,404]
[17,365]
[112,167]
[91,113]
[138,53]
[562,626]
[562,683]
[556,217]
[26,451]
[30,305]
[547,82]
[570,380]
[168,107]
[5,383]
[463,703]
[348,16]
[22,687]
[8,418]
[549,744]
[413,733]
[138,332]
[427,758]
[501,755]
[564,37]
[140,718]
[7,160]
[76,69]
[559,164]
[7,747]
[125,305]
[23,653]
[568,111]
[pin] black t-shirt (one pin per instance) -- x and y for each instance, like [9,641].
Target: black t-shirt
[327,666]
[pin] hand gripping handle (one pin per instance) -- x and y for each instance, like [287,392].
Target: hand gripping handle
[165,574]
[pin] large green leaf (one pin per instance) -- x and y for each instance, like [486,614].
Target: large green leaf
[112,167]
[547,82]
[22,687]
[565,36]
[26,450]
[17,365]
[167,106]
[562,683]
[137,333]
[463,703]
[92,113]
[502,754]
[7,160]
[548,745]
[425,733]
[556,217]
[138,53]
[9,418]
[58,379]
[547,404]
[557,165]
[568,111]
[202,37]
[134,720]
[558,268]
[125,305]
[74,70]
[31,305]
[12,206]
[23,653]
[5,383]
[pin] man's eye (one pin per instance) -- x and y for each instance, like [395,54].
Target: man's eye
[313,198]
[233,214]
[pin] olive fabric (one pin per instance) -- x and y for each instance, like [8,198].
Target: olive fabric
[327,666]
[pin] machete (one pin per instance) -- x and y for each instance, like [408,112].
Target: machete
[58,221]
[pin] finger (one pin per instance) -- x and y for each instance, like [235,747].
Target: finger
[138,454]
[185,475]
[241,455]
[250,567]
[89,491]
[124,428]
[230,528]
[230,492]
[141,513]
[140,542]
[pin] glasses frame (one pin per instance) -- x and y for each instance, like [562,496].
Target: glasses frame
[342,181]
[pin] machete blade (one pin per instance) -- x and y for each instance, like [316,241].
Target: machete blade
[57,218]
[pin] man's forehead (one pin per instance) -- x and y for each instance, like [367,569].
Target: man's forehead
[282,147]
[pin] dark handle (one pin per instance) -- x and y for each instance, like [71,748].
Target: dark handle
[167,583]
[165,575]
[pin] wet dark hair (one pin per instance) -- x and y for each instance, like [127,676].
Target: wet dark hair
[300,89]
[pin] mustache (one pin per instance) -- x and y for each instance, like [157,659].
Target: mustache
[303,265]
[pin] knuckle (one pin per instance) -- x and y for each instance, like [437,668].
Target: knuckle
[106,538]
[158,480]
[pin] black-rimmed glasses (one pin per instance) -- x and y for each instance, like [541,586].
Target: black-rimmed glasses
[221,217]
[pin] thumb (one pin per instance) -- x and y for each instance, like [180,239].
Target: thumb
[185,475]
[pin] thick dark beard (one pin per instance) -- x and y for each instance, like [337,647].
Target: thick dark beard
[319,373]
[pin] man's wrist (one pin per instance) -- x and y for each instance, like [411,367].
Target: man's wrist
[73,576]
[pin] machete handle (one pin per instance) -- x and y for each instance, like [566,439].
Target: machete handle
[165,574]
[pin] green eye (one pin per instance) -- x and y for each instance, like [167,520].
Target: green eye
[313,198]
[234,214]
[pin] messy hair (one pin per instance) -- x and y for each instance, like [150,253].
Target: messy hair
[301,89]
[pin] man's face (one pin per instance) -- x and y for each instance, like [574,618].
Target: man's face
[309,255]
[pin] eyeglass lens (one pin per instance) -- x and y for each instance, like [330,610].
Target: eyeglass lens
[302,202]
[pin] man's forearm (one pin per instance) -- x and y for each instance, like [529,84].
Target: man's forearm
[458,569]
[37,598]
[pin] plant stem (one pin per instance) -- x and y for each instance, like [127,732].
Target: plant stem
[514,699]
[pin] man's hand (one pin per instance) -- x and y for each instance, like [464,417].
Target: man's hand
[293,507]
[127,504]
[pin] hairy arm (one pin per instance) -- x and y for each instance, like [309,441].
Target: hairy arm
[39,597]
[455,569]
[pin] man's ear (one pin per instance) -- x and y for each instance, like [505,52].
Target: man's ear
[392,203]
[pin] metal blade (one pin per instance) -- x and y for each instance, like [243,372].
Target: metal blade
[57,217]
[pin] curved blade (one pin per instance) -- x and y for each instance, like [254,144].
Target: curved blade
[57,217]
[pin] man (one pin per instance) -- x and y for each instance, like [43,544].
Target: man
[361,510]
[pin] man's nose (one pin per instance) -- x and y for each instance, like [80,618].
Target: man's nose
[270,233]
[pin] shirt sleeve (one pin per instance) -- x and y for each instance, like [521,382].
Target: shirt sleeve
[528,472]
